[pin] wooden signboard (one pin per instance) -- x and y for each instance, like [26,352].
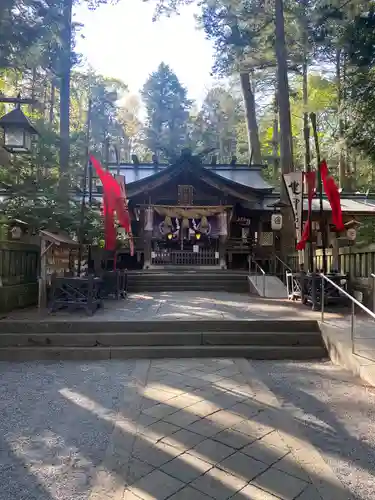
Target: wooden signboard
[58,260]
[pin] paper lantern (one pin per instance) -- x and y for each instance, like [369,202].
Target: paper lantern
[276,222]
[351,234]
[16,232]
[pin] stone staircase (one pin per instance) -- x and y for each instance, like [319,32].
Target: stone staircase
[96,340]
[178,280]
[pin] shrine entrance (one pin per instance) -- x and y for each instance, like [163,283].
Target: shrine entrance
[186,250]
[190,255]
[187,236]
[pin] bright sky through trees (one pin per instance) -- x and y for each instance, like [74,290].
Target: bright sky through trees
[121,41]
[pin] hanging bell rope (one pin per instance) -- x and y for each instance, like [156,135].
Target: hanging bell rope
[204,222]
[185,223]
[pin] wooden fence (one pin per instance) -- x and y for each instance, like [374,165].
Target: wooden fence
[19,267]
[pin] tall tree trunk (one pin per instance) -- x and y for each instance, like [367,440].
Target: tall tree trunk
[251,120]
[342,162]
[306,125]
[33,89]
[65,95]
[45,97]
[305,94]
[288,235]
[286,142]
[275,141]
[52,103]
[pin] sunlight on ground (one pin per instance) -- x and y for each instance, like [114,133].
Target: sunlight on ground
[176,398]
[148,436]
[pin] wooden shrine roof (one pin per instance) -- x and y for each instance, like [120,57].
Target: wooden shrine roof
[57,238]
[350,203]
[238,178]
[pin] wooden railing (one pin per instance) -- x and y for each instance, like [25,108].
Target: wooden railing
[205,257]
[357,262]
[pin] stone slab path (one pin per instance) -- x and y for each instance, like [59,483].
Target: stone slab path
[211,429]
[163,429]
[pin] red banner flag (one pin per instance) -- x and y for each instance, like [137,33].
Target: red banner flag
[113,202]
[123,212]
[333,196]
[311,184]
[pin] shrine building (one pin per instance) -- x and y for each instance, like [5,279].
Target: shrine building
[192,214]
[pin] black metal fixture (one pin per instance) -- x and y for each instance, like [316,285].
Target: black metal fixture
[18,130]
[135,160]
[233,160]
[214,160]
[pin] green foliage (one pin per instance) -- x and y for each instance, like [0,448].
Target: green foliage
[167,108]
[32,181]
[214,127]
[336,38]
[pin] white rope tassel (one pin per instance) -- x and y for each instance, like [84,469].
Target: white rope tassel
[223,227]
[149,219]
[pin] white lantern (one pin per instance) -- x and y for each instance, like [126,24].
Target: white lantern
[16,232]
[18,131]
[276,222]
[351,234]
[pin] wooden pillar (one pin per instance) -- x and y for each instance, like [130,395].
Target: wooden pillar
[42,292]
[147,236]
[147,250]
[222,247]
[222,243]
[335,252]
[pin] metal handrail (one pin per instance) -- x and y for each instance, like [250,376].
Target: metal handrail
[373,291]
[354,302]
[262,271]
[293,286]
[283,263]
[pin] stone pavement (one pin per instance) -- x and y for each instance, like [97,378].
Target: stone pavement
[161,306]
[203,429]
[198,306]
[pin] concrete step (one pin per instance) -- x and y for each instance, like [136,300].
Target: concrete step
[199,283]
[95,325]
[141,352]
[186,288]
[174,339]
[187,277]
[186,271]
[164,281]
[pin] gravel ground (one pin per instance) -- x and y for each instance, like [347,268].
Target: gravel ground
[52,430]
[339,415]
